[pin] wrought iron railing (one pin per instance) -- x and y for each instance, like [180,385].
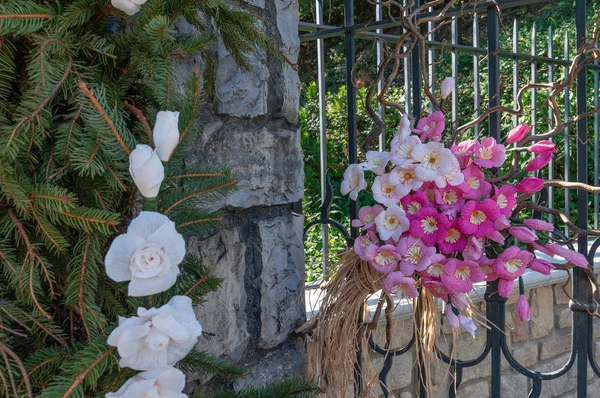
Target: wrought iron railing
[582,305]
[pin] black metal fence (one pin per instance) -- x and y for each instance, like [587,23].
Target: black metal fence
[582,353]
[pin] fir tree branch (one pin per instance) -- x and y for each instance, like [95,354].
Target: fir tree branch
[199,175]
[88,93]
[25,16]
[139,115]
[58,339]
[185,224]
[110,170]
[200,281]
[81,377]
[81,301]
[22,369]
[195,194]
[73,122]
[38,366]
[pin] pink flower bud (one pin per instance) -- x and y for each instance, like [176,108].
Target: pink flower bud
[523,309]
[539,162]
[518,133]
[452,318]
[538,225]
[502,223]
[496,237]
[523,234]
[571,256]
[505,287]
[543,147]
[530,185]
[541,266]
[467,324]
[447,87]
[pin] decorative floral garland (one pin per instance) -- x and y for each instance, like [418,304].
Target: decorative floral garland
[439,217]
[148,256]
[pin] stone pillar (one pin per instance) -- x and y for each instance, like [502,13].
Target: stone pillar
[251,127]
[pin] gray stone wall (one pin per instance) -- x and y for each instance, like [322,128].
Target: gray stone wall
[251,127]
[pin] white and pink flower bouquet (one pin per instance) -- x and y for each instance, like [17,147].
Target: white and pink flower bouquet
[442,222]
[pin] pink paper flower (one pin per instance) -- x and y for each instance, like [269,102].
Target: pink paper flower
[478,218]
[403,130]
[384,259]
[502,223]
[366,216]
[530,185]
[543,147]
[497,237]
[405,180]
[512,263]
[362,243]
[523,234]
[474,186]
[436,287]
[449,198]
[413,203]
[453,176]
[431,127]
[523,310]
[489,153]
[538,225]
[396,283]
[459,276]
[467,324]
[391,223]
[463,151]
[542,248]
[429,225]
[384,191]
[577,259]
[435,270]
[541,266]
[354,181]
[376,162]
[454,241]
[474,249]
[539,162]
[486,265]
[518,133]
[459,301]
[505,287]
[402,149]
[414,254]
[506,198]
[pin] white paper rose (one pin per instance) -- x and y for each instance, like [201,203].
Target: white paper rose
[166,134]
[147,170]
[148,255]
[129,7]
[157,337]
[167,382]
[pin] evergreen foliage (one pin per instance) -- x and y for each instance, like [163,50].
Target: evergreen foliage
[79,83]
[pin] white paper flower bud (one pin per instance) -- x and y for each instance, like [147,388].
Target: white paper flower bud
[157,337]
[148,255]
[166,134]
[147,170]
[129,7]
[167,382]
[447,87]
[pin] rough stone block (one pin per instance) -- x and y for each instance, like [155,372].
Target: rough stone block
[480,389]
[241,92]
[555,346]
[526,355]
[513,385]
[401,371]
[268,162]
[542,312]
[282,296]
[559,294]
[564,318]
[516,330]
[561,385]
[223,313]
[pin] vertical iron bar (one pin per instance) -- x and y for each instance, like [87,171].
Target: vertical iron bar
[407,75]
[515,48]
[596,154]
[322,134]
[535,196]
[476,94]
[380,57]
[550,122]
[431,60]
[454,37]
[495,308]
[566,138]
[582,290]
[351,94]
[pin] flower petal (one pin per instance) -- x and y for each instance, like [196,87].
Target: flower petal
[171,327]
[146,223]
[139,287]
[118,256]
[131,341]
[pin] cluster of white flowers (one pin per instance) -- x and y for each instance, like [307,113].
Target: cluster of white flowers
[413,163]
[148,256]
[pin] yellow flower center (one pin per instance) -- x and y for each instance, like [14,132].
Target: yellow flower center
[485,152]
[450,197]
[429,225]
[453,236]
[391,223]
[462,273]
[384,258]
[436,270]
[473,183]
[414,207]
[513,265]
[414,254]
[502,201]
[478,217]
